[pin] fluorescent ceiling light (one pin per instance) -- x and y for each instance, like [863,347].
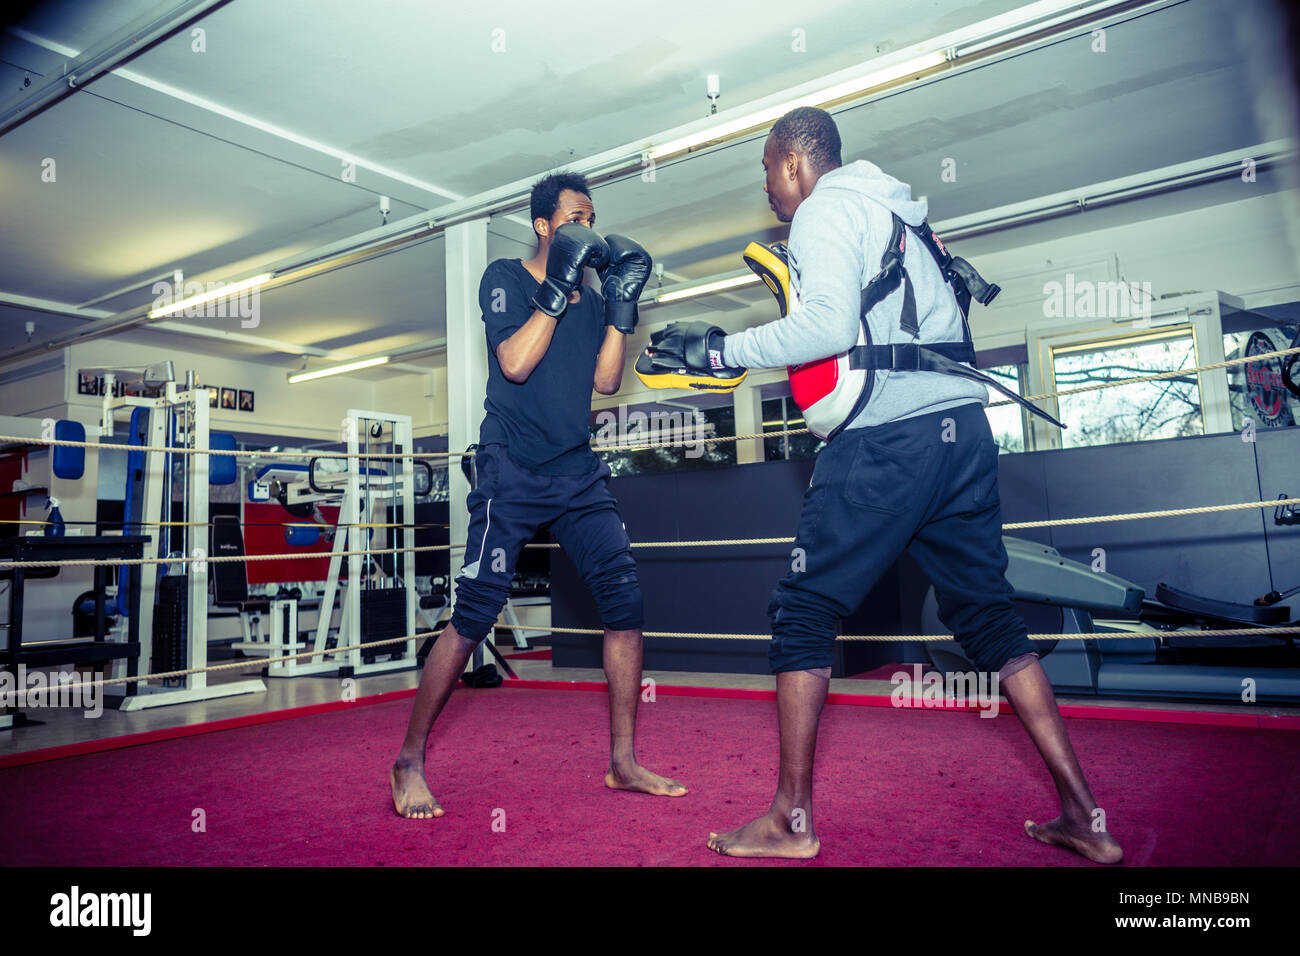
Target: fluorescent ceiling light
[296,377]
[225,292]
[706,288]
[857,86]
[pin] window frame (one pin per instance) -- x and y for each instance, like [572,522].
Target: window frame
[1199,313]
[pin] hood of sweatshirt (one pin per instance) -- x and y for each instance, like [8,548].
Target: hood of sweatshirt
[871,181]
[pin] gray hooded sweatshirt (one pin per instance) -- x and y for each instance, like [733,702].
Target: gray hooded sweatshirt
[836,240]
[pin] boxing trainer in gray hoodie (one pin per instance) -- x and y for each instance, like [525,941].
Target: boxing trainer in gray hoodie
[915,470]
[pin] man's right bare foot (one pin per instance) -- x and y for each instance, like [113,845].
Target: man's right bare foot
[1097,847]
[768,836]
[411,796]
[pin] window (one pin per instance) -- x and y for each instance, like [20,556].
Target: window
[1169,408]
[1007,421]
[684,431]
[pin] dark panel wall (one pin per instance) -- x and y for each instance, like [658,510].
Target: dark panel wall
[1222,555]
[722,589]
[1230,556]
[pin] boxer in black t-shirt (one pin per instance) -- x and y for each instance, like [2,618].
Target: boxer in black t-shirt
[550,341]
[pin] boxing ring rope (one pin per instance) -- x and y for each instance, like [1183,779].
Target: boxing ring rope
[235,452]
[1178,373]
[1246,360]
[702,543]
[720,542]
[262,662]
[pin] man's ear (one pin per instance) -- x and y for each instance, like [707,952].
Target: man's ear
[542,227]
[792,165]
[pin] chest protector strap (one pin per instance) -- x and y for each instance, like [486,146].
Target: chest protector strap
[833,391]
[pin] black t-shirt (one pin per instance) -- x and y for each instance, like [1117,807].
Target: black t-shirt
[543,421]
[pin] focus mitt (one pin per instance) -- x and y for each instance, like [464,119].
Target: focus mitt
[771,263]
[688,355]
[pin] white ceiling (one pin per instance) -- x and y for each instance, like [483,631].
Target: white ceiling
[222,161]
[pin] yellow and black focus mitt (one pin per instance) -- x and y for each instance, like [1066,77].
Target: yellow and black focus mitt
[771,263]
[688,355]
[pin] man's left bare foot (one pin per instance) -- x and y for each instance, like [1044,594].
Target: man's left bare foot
[1097,847]
[640,780]
[769,836]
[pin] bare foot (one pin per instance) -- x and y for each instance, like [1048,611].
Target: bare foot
[1097,847]
[768,836]
[411,796]
[640,780]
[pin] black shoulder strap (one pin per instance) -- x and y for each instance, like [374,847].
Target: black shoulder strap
[960,275]
[888,278]
[953,358]
[957,272]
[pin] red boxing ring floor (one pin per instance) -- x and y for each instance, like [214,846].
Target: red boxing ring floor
[895,787]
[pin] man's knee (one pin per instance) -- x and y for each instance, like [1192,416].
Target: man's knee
[478,605]
[618,596]
[1000,642]
[803,632]
[1016,665]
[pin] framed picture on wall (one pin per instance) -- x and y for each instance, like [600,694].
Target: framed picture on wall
[245,400]
[213,393]
[228,399]
[87,384]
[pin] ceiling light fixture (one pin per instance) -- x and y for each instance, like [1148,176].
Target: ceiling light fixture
[704,288]
[224,292]
[849,88]
[295,377]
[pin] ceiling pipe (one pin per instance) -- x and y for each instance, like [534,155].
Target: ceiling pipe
[65,310]
[1034,25]
[141,34]
[1138,186]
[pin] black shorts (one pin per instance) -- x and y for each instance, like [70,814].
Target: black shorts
[927,485]
[508,507]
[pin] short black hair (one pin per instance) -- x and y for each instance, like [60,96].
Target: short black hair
[810,132]
[546,193]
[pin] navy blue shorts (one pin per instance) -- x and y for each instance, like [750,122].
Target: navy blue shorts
[508,507]
[928,485]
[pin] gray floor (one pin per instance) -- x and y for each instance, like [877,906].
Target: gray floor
[66,726]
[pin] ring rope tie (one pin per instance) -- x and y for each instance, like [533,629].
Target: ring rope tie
[263,661]
[704,543]
[1159,376]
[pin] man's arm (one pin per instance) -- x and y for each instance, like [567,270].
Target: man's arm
[524,350]
[610,361]
[572,249]
[825,249]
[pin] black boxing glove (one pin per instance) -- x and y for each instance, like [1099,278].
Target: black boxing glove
[573,248]
[621,281]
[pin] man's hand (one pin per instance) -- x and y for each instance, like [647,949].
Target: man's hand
[573,248]
[688,355]
[622,280]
